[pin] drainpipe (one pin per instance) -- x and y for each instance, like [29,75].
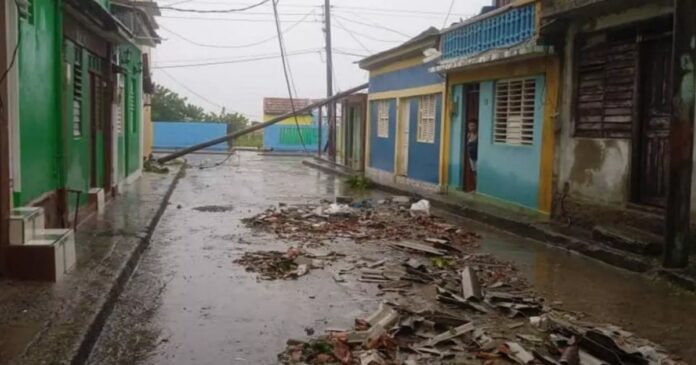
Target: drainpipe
[678,210]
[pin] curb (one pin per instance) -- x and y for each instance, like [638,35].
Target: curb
[327,169]
[94,330]
[595,250]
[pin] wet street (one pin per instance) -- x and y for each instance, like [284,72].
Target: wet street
[189,303]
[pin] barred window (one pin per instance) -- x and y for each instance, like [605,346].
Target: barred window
[383,119]
[514,112]
[77,93]
[426,119]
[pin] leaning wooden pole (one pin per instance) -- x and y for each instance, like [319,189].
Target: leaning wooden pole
[678,211]
[275,120]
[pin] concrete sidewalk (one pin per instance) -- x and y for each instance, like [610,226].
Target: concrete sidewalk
[533,226]
[44,323]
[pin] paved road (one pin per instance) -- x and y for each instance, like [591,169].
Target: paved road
[188,303]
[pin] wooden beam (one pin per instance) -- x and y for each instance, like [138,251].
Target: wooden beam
[681,136]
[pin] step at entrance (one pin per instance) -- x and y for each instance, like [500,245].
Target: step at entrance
[37,253]
[24,223]
[629,239]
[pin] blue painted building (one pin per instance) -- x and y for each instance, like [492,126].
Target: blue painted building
[172,135]
[502,86]
[405,116]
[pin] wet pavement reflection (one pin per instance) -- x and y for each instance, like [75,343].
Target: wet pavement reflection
[189,303]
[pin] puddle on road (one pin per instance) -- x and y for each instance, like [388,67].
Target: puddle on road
[214,208]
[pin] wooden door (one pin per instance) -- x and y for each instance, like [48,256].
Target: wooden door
[656,114]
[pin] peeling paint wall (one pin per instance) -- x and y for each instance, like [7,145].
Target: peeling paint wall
[596,170]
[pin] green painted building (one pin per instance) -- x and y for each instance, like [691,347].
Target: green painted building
[80,109]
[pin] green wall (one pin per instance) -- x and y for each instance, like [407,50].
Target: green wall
[77,148]
[40,100]
[129,147]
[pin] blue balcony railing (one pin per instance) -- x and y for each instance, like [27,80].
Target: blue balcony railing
[502,30]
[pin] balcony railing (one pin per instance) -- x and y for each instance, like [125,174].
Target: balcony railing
[498,30]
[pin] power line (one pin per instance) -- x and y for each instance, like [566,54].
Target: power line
[342,27]
[291,27]
[392,10]
[240,60]
[235,20]
[367,36]
[373,26]
[444,24]
[199,95]
[285,72]
[214,11]
[191,91]
[348,53]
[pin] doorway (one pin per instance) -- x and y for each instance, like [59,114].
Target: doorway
[97,117]
[402,137]
[656,115]
[470,137]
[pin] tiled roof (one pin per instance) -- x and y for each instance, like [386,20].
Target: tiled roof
[280,106]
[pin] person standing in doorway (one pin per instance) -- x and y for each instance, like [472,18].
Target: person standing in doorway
[472,145]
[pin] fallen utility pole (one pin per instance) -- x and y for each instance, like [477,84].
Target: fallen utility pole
[275,120]
[681,141]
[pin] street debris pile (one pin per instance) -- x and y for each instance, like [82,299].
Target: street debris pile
[443,302]
[272,265]
[395,335]
[395,219]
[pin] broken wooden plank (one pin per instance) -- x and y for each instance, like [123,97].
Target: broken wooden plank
[448,335]
[471,289]
[419,247]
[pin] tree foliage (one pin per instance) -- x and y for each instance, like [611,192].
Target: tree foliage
[168,105]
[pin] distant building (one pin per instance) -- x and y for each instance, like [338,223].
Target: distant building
[294,134]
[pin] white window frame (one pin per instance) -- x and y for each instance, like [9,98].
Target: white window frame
[515,112]
[383,119]
[427,110]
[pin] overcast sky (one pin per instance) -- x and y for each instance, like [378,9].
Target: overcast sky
[194,38]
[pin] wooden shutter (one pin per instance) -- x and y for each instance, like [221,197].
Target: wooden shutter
[606,74]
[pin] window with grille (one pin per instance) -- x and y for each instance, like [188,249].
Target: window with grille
[426,119]
[121,106]
[383,119]
[131,107]
[77,93]
[514,112]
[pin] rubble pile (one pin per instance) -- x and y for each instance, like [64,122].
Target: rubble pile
[443,303]
[388,219]
[272,265]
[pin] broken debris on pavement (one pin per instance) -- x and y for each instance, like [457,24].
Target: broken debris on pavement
[272,265]
[397,219]
[442,304]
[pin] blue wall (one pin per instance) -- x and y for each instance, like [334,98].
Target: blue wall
[424,158]
[508,172]
[175,135]
[406,78]
[456,163]
[382,149]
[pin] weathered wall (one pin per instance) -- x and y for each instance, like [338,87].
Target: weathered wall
[424,158]
[406,78]
[40,102]
[596,170]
